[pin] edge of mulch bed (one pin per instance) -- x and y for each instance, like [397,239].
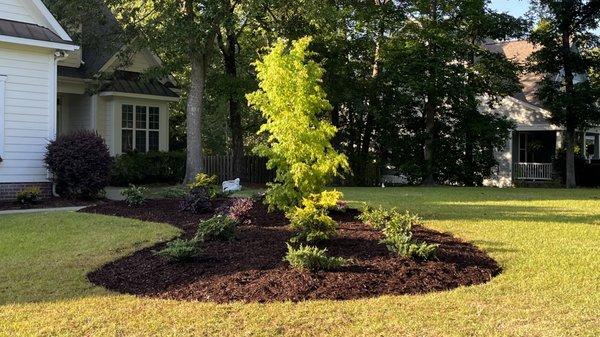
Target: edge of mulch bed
[45,203]
[251,268]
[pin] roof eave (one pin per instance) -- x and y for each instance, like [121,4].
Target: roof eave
[38,43]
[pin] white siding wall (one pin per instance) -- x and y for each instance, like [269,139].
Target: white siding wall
[27,120]
[80,114]
[14,10]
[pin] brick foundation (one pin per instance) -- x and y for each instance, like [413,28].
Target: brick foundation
[8,191]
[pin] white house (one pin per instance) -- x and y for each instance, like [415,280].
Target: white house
[50,86]
[529,153]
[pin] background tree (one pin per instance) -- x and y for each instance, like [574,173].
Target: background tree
[565,58]
[185,31]
[440,70]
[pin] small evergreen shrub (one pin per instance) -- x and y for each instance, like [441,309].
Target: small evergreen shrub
[397,231]
[313,259]
[312,220]
[134,195]
[403,245]
[312,224]
[220,228]
[197,201]
[240,209]
[174,192]
[180,250]
[80,164]
[29,195]
[203,180]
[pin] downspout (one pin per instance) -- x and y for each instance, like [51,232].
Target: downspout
[59,55]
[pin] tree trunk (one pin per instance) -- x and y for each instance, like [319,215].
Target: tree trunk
[235,117]
[428,156]
[430,112]
[571,181]
[570,140]
[195,109]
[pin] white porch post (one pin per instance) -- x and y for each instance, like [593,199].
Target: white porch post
[597,147]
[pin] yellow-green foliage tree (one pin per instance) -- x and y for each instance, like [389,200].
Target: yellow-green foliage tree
[298,140]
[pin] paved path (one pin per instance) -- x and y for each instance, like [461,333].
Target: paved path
[42,210]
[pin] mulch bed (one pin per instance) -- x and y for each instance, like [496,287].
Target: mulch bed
[251,269]
[46,203]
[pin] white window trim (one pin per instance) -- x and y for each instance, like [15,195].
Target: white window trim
[135,128]
[2,112]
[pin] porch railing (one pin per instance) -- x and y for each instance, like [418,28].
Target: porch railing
[532,171]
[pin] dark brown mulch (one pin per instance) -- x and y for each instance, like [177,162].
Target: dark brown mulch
[46,203]
[251,268]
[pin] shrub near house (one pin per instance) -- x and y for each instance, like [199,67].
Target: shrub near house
[80,164]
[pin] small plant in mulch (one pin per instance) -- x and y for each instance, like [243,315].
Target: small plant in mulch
[180,250]
[134,195]
[239,210]
[201,194]
[313,259]
[311,221]
[397,228]
[220,228]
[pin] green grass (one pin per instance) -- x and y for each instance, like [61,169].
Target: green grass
[547,241]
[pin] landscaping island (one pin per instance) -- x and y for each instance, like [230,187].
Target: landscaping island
[251,267]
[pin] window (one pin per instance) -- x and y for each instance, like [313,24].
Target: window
[2,89]
[590,146]
[140,130]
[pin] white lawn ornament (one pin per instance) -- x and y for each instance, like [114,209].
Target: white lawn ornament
[232,185]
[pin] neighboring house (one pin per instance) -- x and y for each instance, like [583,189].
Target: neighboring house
[529,153]
[50,86]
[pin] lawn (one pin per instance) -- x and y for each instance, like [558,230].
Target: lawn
[547,241]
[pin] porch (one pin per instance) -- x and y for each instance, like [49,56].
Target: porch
[533,154]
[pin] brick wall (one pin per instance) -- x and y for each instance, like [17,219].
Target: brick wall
[8,191]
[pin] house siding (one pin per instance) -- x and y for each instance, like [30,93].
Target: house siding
[15,10]
[28,124]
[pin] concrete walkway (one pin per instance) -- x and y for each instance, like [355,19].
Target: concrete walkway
[42,210]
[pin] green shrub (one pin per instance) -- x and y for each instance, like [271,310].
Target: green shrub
[180,250]
[403,245]
[174,192]
[148,168]
[29,195]
[197,201]
[220,227]
[313,258]
[203,180]
[312,223]
[134,195]
[397,231]
[80,164]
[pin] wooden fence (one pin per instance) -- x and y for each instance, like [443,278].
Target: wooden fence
[254,169]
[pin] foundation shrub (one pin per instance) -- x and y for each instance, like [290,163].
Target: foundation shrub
[29,195]
[80,164]
[148,168]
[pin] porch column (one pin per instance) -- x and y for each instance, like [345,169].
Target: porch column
[559,140]
[597,146]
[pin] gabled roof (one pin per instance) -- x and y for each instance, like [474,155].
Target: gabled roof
[519,51]
[38,28]
[30,31]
